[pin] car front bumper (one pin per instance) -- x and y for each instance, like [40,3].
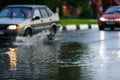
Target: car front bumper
[110,25]
[7,35]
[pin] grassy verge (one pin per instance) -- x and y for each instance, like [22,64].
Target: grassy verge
[77,21]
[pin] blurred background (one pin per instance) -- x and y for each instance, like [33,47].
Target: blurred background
[82,9]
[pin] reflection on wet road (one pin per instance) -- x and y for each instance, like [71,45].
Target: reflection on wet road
[73,55]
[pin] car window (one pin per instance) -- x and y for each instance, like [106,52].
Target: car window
[27,12]
[36,12]
[49,12]
[5,12]
[14,12]
[17,13]
[109,11]
[44,13]
[113,10]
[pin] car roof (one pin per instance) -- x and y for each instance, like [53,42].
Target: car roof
[30,5]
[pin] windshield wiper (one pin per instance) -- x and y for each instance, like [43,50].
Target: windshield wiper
[11,15]
[23,13]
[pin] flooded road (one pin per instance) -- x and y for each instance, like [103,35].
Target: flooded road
[73,55]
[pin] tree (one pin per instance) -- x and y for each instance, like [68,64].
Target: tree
[52,4]
[86,9]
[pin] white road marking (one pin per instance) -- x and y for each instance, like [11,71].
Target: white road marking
[71,27]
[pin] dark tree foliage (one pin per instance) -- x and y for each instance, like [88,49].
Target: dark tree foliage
[3,3]
[52,4]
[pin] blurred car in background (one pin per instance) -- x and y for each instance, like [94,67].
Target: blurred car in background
[26,20]
[110,19]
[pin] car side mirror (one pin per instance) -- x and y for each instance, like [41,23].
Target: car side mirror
[35,18]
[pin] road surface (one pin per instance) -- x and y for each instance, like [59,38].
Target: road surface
[87,54]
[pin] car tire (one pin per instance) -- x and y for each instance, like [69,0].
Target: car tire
[51,36]
[101,28]
[28,33]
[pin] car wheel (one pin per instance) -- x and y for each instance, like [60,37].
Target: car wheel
[51,36]
[101,28]
[28,33]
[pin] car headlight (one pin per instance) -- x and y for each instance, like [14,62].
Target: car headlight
[13,27]
[102,19]
[117,19]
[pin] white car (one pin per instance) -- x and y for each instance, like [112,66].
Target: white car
[26,20]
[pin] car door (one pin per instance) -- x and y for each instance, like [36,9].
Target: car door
[37,22]
[45,18]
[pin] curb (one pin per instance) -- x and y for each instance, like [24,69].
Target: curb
[78,27]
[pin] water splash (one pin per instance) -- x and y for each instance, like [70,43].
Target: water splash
[40,37]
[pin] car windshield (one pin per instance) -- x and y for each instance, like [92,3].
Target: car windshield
[113,10]
[13,12]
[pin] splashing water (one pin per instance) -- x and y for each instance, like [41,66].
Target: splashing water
[40,37]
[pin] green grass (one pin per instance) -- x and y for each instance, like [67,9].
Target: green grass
[77,21]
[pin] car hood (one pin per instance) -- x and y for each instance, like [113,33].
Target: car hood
[111,16]
[11,20]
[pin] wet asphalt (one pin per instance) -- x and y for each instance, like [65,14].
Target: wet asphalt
[87,54]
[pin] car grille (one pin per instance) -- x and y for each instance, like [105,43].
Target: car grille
[3,27]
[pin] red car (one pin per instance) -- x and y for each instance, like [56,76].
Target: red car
[110,19]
